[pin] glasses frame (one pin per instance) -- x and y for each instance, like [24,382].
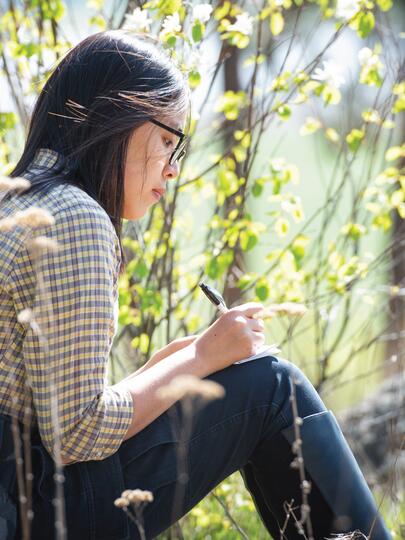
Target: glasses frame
[180,151]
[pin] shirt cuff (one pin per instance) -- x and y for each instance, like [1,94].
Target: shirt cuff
[103,431]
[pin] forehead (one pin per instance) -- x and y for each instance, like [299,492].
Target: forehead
[176,121]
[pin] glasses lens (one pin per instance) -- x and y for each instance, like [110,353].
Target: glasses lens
[180,151]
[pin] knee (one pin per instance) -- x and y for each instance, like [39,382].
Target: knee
[287,374]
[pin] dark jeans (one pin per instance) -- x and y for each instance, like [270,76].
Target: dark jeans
[242,432]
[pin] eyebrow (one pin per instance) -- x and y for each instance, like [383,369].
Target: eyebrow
[167,127]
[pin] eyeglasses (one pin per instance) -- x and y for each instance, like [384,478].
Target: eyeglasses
[180,151]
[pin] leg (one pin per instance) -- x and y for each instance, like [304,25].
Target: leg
[250,431]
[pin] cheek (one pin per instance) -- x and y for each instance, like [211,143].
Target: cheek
[133,181]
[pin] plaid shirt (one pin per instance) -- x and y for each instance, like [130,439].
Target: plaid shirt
[73,295]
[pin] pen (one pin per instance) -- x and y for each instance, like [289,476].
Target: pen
[214,297]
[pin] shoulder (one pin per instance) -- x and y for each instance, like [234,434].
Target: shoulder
[80,224]
[79,213]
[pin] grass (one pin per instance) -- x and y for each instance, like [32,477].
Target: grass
[208,520]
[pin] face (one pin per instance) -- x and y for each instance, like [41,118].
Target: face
[147,168]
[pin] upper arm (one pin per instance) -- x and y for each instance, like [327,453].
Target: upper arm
[66,350]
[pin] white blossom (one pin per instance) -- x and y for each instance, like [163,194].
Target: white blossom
[330,74]
[367,57]
[171,24]
[346,9]
[202,12]
[243,24]
[137,21]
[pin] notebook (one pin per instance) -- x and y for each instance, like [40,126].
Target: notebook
[266,350]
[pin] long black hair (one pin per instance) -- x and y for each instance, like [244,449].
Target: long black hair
[105,87]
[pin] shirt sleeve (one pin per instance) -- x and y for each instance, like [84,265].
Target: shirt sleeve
[66,347]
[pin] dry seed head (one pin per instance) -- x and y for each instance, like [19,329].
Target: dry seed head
[306,486]
[139,496]
[183,385]
[296,444]
[34,217]
[17,184]
[295,464]
[305,510]
[121,502]
[285,308]
[25,316]
[289,308]
[43,243]
[6,224]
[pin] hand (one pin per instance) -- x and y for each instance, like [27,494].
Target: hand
[233,336]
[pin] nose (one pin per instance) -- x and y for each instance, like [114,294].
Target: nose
[171,172]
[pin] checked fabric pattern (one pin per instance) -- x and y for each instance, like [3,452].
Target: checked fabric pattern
[73,295]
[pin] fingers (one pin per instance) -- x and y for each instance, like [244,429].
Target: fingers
[258,339]
[257,325]
[249,309]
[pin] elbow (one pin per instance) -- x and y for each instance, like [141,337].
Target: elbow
[64,456]
[66,460]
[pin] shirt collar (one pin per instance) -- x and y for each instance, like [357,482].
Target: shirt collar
[45,158]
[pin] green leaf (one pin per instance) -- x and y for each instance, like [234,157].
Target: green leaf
[284,112]
[165,7]
[353,230]
[222,11]
[299,246]
[395,152]
[194,78]
[137,268]
[230,103]
[262,289]
[141,342]
[240,153]
[8,120]
[366,23]
[258,186]
[245,281]
[354,139]
[311,125]
[282,226]
[197,31]
[248,239]
[228,182]
[99,21]
[331,95]
[384,5]
[276,23]
[216,266]
[332,134]
[399,104]
[171,41]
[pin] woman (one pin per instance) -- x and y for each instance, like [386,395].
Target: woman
[106,136]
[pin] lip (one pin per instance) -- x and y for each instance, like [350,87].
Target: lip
[158,193]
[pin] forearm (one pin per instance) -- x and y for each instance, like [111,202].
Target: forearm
[151,362]
[165,351]
[143,387]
